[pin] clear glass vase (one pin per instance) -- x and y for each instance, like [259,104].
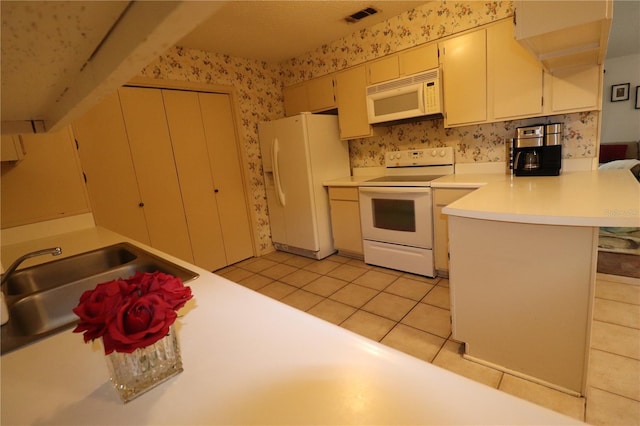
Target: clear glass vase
[135,373]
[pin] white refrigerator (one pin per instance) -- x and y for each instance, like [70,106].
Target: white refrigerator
[299,153]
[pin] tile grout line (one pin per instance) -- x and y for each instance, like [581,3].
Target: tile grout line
[611,393]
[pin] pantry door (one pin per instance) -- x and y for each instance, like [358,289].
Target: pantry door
[109,172]
[198,191]
[152,154]
[224,157]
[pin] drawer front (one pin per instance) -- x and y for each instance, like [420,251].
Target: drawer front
[343,193]
[443,197]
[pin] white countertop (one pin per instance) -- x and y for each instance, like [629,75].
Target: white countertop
[249,360]
[471,180]
[577,198]
[588,198]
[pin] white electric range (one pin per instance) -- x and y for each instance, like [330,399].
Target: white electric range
[396,210]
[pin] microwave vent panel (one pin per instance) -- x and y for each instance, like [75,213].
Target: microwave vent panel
[402,82]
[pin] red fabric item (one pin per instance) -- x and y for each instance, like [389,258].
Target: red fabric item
[612,152]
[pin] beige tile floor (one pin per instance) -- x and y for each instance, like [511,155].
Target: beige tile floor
[411,313]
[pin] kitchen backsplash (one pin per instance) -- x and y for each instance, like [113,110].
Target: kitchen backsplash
[479,143]
[258,87]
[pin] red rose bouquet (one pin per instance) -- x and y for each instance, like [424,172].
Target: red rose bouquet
[131,313]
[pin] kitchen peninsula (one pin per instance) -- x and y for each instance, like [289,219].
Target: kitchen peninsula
[523,257]
[247,360]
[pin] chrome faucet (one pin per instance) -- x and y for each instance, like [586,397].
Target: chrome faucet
[54,251]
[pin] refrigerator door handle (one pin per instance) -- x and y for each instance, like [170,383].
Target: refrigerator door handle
[275,149]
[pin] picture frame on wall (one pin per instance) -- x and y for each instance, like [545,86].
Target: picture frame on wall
[637,97]
[620,92]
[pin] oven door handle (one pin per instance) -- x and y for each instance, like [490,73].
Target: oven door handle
[395,190]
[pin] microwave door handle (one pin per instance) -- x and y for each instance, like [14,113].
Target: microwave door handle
[275,150]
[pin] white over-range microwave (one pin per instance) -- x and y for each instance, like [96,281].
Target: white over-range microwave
[407,97]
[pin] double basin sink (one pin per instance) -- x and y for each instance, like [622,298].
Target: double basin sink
[40,298]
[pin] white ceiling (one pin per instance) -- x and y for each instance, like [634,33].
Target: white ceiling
[60,57]
[274,31]
[624,38]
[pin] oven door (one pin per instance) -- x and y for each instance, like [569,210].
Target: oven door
[399,215]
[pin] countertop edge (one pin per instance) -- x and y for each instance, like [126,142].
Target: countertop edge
[282,369]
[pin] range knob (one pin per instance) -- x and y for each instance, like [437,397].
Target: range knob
[434,153]
[443,153]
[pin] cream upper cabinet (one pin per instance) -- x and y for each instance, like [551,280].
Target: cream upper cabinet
[411,61]
[46,184]
[383,69]
[419,59]
[345,220]
[295,99]
[573,89]
[514,76]
[12,148]
[352,103]
[321,93]
[313,95]
[564,33]
[464,78]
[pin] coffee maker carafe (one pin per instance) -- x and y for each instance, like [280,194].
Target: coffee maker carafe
[537,152]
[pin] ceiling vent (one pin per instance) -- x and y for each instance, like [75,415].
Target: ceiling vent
[356,17]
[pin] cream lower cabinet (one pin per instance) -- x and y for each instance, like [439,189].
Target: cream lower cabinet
[441,198]
[345,220]
[522,297]
[151,158]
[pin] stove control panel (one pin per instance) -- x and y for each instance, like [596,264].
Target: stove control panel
[420,157]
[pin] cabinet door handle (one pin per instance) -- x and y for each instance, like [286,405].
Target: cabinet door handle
[216,190]
[141,204]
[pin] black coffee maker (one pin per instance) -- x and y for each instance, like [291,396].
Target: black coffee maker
[537,150]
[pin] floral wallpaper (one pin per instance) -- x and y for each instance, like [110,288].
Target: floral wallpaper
[479,143]
[428,22]
[258,86]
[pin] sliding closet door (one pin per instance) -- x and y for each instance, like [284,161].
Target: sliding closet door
[198,192]
[219,129]
[111,178]
[152,154]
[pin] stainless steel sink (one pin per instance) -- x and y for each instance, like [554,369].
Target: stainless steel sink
[40,299]
[53,274]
